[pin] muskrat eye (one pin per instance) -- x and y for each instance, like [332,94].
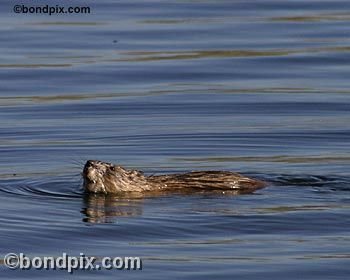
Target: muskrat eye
[112,168]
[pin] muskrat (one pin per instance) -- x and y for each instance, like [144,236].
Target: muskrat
[107,178]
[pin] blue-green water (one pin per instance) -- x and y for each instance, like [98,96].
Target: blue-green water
[258,87]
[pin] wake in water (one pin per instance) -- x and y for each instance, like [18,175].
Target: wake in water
[71,186]
[331,182]
[101,208]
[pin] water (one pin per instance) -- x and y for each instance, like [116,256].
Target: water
[259,87]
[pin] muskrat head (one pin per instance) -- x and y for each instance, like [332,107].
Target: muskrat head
[103,177]
[95,174]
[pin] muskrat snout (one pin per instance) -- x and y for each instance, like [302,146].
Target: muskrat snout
[95,165]
[93,174]
[91,163]
[87,167]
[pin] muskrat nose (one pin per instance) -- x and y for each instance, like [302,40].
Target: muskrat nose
[89,163]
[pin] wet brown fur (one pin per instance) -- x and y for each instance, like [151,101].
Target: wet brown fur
[101,177]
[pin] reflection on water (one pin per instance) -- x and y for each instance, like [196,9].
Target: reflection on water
[107,208]
[101,208]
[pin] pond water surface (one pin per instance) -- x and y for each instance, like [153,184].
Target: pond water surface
[257,87]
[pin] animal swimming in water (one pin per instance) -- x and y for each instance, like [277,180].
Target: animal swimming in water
[107,178]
